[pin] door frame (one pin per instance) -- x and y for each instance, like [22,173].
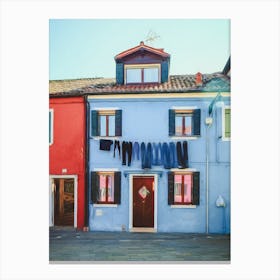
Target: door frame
[51,197]
[142,229]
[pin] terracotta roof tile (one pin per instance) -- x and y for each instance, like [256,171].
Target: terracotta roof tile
[176,83]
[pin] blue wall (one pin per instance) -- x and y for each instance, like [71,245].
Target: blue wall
[146,120]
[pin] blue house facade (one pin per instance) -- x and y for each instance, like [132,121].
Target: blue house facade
[158,148]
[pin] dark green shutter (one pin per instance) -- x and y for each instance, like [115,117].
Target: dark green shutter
[171,122]
[219,122]
[118,123]
[117,187]
[227,122]
[196,188]
[94,123]
[170,188]
[196,122]
[164,71]
[119,73]
[94,187]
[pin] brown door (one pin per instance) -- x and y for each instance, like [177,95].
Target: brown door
[143,201]
[64,202]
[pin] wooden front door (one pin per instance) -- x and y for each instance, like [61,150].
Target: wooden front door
[64,202]
[143,201]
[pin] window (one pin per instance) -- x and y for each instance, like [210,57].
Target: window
[105,187]
[145,73]
[226,133]
[50,126]
[106,123]
[184,123]
[183,188]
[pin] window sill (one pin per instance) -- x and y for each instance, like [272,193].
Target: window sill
[105,205]
[226,139]
[183,206]
[184,137]
[105,137]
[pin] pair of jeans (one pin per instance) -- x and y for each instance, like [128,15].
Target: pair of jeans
[126,149]
[156,153]
[118,147]
[165,156]
[146,155]
[182,154]
[136,151]
[173,155]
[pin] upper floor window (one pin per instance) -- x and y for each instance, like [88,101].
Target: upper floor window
[106,123]
[184,122]
[50,126]
[146,73]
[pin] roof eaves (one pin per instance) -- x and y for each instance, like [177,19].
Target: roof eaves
[137,48]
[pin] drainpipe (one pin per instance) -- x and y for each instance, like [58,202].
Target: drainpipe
[86,216]
[208,122]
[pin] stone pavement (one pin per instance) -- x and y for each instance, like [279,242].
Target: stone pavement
[70,245]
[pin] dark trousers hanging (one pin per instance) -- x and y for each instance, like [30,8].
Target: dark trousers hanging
[149,156]
[126,149]
[182,155]
[118,147]
[143,154]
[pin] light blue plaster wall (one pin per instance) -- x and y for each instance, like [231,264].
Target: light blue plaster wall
[147,121]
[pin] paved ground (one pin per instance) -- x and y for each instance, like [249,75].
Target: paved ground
[117,247]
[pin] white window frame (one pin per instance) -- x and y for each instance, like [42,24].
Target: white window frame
[178,171]
[142,66]
[104,109]
[51,130]
[224,138]
[184,108]
[107,171]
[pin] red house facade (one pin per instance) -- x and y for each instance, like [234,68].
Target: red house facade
[67,161]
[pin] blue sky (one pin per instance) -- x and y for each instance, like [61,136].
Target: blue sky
[85,48]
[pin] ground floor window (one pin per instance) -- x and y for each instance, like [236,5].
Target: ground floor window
[183,188]
[105,187]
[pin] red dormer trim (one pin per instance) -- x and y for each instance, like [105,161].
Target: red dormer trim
[142,46]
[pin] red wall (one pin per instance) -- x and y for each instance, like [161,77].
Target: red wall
[68,148]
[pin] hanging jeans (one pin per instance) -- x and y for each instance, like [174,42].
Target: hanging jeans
[182,155]
[136,151]
[118,147]
[126,149]
[165,152]
[146,155]
[156,149]
[173,155]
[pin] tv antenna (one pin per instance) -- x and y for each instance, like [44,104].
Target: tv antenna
[151,37]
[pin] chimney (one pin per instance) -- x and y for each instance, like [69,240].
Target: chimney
[198,79]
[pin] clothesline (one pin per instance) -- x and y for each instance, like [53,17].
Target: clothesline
[151,154]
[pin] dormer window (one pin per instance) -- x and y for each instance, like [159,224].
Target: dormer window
[142,65]
[143,73]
